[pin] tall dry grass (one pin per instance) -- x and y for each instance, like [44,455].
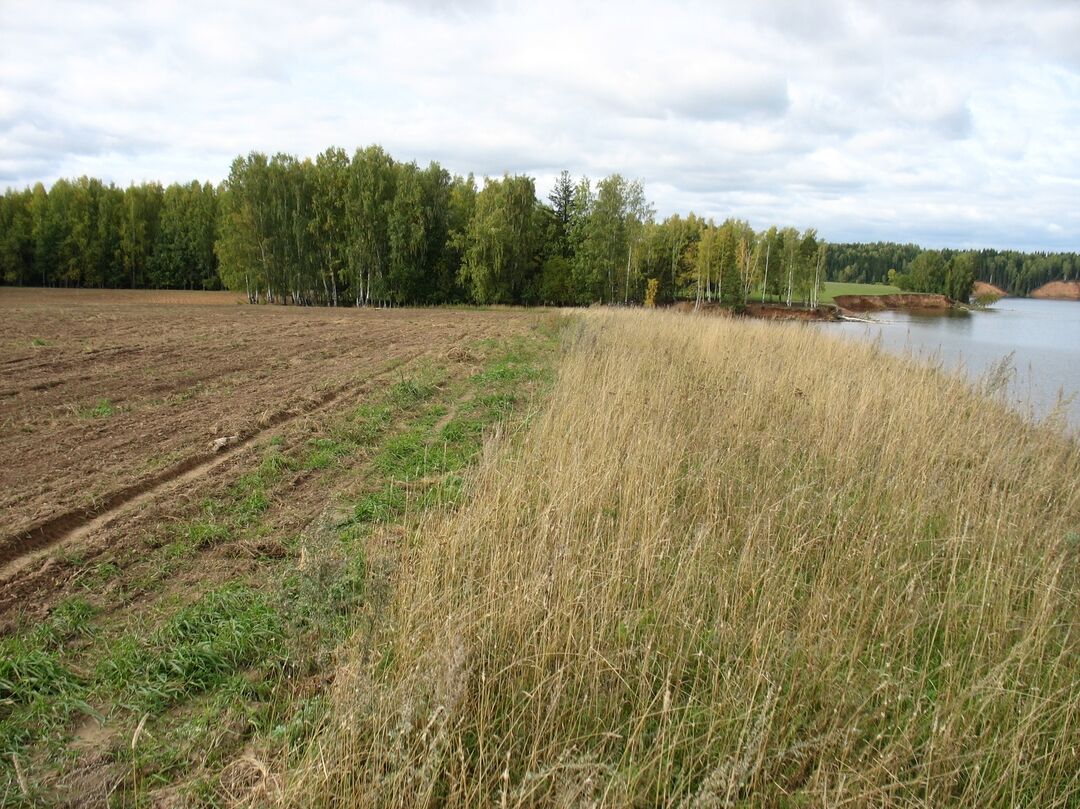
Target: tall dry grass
[731,564]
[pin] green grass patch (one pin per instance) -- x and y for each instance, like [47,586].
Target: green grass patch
[831,289]
[39,692]
[834,288]
[325,452]
[405,456]
[103,409]
[99,575]
[196,649]
[409,392]
[204,532]
[384,505]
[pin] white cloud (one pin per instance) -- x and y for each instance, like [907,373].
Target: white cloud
[937,122]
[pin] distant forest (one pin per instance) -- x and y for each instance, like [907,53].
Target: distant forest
[1015,272]
[365,229]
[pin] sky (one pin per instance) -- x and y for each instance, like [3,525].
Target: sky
[943,123]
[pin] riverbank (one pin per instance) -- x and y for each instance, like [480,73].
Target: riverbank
[1058,291]
[906,301]
[983,289]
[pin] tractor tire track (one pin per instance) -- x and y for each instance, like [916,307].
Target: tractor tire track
[16,550]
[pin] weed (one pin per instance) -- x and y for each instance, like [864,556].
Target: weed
[100,574]
[37,691]
[195,650]
[102,410]
[408,392]
[404,456]
[203,532]
[324,452]
[70,618]
[384,505]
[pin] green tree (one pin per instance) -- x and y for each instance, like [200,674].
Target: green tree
[501,242]
[16,237]
[407,237]
[370,198]
[960,277]
[139,230]
[329,223]
[561,199]
[184,256]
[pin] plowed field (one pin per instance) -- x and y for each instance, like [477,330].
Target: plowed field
[107,396]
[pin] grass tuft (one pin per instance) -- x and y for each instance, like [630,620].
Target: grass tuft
[197,649]
[102,410]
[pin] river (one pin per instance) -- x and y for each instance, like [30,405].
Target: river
[1040,339]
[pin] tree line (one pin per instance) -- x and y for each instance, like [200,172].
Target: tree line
[365,229]
[85,233]
[1016,272]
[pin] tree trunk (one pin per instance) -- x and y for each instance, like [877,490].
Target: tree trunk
[765,282]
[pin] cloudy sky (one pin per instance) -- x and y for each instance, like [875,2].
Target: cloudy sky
[944,123]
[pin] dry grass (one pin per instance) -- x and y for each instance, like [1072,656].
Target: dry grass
[732,564]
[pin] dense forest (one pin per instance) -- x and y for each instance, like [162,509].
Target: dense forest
[86,233]
[1015,272]
[365,229]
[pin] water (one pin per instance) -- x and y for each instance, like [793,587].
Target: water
[1042,337]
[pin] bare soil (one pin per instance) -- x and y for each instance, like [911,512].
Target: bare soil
[107,397]
[877,303]
[1058,291]
[984,288]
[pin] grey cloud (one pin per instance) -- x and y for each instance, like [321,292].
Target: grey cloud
[731,100]
[924,121]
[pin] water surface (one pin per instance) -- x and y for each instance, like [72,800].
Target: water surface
[1040,340]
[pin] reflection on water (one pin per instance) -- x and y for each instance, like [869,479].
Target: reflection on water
[1041,340]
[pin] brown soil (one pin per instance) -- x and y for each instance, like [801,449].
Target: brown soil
[188,388]
[877,303]
[119,297]
[983,288]
[1058,291]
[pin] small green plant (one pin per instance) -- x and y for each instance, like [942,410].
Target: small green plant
[984,300]
[197,649]
[202,533]
[410,391]
[39,341]
[70,618]
[325,452]
[102,410]
[99,575]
